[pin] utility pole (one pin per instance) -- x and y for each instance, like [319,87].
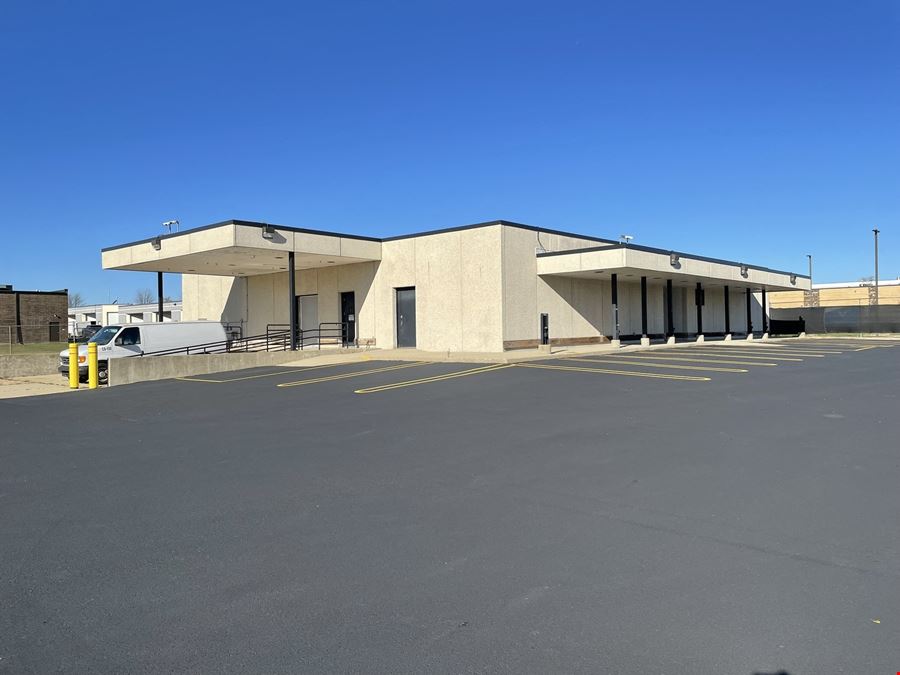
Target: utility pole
[876,231]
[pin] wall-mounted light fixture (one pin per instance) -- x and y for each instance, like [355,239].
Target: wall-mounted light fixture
[745,271]
[794,279]
[157,243]
[674,259]
[268,232]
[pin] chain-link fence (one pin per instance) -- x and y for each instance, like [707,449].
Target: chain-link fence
[47,337]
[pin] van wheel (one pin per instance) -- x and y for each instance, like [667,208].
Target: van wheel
[102,373]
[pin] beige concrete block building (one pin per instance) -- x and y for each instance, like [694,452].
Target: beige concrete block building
[841,294]
[487,287]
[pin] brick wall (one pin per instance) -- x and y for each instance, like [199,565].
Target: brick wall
[38,312]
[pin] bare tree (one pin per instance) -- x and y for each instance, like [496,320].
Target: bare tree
[144,296]
[76,299]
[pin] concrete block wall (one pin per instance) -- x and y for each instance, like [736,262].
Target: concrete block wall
[579,309]
[458,281]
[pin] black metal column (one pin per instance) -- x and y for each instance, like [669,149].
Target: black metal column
[765,318]
[727,311]
[698,299]
[159,296]
[670,323]
[293,293]
[749,312]
[643,306]
[615,305]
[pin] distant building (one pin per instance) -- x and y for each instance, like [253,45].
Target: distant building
[117,314]
[32,316]
[843,294]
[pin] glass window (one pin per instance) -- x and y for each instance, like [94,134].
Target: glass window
[104,335]
[129,337]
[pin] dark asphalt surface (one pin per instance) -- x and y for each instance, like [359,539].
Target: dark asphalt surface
[518,521]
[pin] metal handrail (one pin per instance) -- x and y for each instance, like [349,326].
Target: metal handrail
[328,332]
[252,343]
[276,338]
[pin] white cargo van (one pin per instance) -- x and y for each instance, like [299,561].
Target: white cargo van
[115,342]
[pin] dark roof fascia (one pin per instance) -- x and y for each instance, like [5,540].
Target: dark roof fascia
[247,223]
[489,223]
[16,291]
[661,251]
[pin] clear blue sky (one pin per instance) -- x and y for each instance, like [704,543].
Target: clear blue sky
[757,131]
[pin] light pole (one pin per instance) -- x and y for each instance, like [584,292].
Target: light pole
[876,231]
[809,255]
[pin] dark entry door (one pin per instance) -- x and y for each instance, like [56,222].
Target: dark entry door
[348,317]
[406,317]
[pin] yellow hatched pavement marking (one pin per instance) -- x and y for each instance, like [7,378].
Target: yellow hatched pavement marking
[728,355]
[434,378]
[296,371]
[729,362]
[355,373]
[606,371]
[650,364]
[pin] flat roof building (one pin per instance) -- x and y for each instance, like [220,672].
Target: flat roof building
[28,317]
[105,314]
[841,294]
[486,287]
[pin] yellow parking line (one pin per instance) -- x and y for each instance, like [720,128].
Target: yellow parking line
[728,355]
[433,378]
[355,373]
[605,371]
[647,364]
[765,350]
[787,348]
[729,362]
[295,371]
[772,348]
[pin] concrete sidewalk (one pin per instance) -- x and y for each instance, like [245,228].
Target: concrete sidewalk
[34,385]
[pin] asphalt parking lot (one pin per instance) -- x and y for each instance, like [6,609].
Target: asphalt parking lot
[706,509]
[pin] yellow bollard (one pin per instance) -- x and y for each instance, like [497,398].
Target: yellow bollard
[93,374]
[73,365]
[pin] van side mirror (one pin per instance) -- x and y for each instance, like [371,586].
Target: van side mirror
[118,342]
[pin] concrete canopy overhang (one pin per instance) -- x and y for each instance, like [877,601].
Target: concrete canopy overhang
[238,248]
[630,263]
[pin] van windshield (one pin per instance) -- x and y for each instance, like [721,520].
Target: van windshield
[104,335]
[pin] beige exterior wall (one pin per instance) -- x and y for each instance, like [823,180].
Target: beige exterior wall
[571,303]
[213,298]
[853,296]
[457,276]
[477,290]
